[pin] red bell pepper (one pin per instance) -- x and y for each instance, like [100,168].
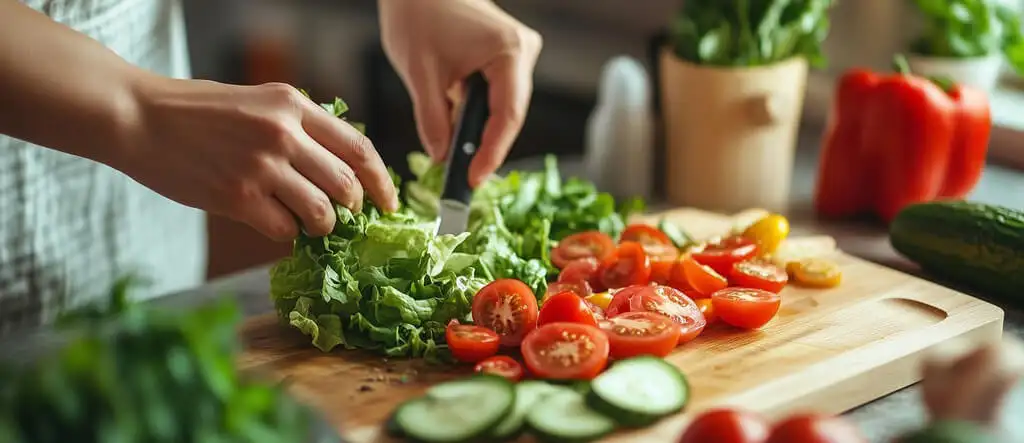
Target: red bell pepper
[897,139]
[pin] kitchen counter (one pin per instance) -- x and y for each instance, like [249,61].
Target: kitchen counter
[880,420]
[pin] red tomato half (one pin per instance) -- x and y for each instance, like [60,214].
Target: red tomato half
[673,304]
[584,269]
[580,288]
[582,245]
[758,274]
[566,307]
[815,428]
[629,265]
[661,271]
[566,351]
[502,365]
[640,333]
[745,308]
[721,254]
[620,301]
[508,307]
[702,278]
[644,234]
[470,343]
[707,309]
[726,426]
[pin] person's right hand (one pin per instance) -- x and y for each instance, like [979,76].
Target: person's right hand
[263,155]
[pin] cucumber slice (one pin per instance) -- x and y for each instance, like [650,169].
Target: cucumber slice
[457,411]
[639,391]
[563,416]
[527,394]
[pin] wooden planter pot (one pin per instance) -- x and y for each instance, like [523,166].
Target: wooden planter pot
[730,133]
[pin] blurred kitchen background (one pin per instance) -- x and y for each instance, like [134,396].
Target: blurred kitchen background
[331,48]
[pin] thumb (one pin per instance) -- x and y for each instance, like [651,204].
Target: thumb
[433,118]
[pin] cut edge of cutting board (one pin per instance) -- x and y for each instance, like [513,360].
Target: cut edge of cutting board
[834,385]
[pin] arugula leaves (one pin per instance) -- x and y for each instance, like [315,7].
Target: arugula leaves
[970,28]
[750,32]
[136,374]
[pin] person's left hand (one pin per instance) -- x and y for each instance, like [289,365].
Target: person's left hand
[435,45]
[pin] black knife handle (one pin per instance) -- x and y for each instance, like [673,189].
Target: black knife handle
[468,132]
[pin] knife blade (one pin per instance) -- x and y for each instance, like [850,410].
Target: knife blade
[453,209]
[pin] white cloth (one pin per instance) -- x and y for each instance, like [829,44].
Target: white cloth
[69,227]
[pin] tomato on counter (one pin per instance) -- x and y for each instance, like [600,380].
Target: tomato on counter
[661,270]
[746,308]
[594,244]
[758,274]
[580,288]
[566,307]
[702,278]
[628,265]
[657,245]
[620,300]
[470,343]
[815,428]
[501,365]
[508,307]
[566,351]
[673,304]
[581,270]
[768,233]
[721,254]
[707,308]
[727,426]
[640,333]
[815,272]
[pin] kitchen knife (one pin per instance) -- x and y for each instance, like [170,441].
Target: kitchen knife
[453,210]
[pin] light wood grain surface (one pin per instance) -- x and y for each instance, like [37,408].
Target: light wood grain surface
[828,350]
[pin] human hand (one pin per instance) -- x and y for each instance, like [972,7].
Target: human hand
[262,155]
[434,45]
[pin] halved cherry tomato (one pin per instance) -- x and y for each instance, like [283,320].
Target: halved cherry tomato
[727,426]
[677,279]
[702,278]
[470,343]
[566,351]
[661,270]
[582,245]
[601,300]
[706,308]
[629,265]
[620,300]
[596,310]
[758,274]
[815,428]
[673,304]
[566,307]
[644,234]
[640,333]
[580,288]
[501,365]
[720,254]
[584,269]
[816,272]
[508,307]
[746,308]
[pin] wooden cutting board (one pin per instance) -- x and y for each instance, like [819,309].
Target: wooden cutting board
[827,350]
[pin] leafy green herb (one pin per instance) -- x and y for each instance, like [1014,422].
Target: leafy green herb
[970,28]
[135,374]
[750,32]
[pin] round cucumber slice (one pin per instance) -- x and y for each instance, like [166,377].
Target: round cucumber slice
[457,411]
[639,391]
[528,393]
[563,416]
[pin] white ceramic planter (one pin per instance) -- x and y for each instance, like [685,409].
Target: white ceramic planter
[981,72]
[730,133]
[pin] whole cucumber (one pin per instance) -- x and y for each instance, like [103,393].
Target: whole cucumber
[975,244]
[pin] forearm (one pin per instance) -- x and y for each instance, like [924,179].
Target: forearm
[62,89]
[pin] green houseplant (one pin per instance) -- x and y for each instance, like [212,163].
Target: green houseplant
[967,40]
[733,74]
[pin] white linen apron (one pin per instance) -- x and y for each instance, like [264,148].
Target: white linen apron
[69,227]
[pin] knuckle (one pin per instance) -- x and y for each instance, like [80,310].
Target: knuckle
[241,192]
[361,151]
[321,216]
[283,94]
[279,137]
[282,230]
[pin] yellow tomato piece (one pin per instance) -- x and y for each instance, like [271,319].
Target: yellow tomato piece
[768,233]
[815,272]
[601,299]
